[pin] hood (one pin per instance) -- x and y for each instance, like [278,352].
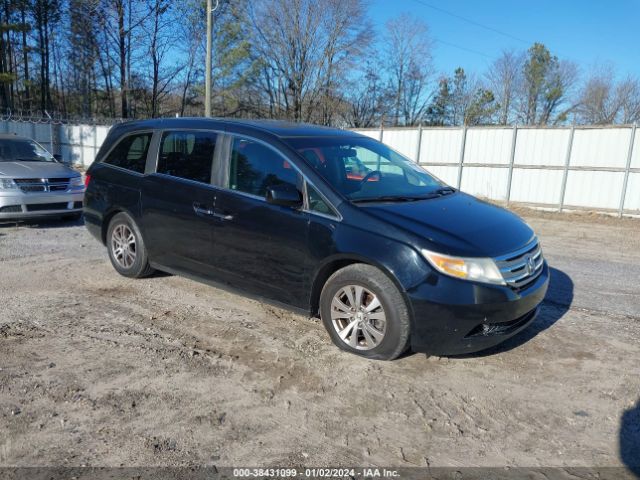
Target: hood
[457,224]
[36,170]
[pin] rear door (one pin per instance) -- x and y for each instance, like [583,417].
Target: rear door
[178,201]
[261,247]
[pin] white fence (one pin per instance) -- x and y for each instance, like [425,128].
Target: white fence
[78,144]
[592,168]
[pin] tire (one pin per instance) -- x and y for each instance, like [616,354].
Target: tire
[370,284]
[132,259]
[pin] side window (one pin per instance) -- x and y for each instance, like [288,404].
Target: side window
[316,202]
[254,167]
[131,152]
[187,155]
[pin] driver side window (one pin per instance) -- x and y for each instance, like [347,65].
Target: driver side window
[254,167]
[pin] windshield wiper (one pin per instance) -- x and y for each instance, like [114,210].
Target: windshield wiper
[395,198]
[445,190]
[32,159]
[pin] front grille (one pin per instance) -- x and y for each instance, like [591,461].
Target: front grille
[522,267]
[11,209]
[39,207]
[31,185]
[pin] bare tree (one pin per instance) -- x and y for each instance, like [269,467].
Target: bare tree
[161,41]
[408,58]
[300,44]
[629,91]
[366,98]
[603,100]
[504,79]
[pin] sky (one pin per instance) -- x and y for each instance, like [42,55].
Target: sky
[590,33]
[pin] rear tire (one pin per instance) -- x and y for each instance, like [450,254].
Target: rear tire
[126,248]
[365,313]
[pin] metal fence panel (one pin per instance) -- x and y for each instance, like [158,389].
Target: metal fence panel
[488,145]
[486,182]
[404,141]
[635,157]
[536,146]
[440,145]
[632,199]
[536,186]
[594,189]
[600,147]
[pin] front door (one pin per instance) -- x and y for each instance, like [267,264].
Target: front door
[261,247]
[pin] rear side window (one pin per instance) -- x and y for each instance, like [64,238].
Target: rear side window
[187,155]
[254,167]
[131,152]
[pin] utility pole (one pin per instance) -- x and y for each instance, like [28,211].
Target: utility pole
[207,75]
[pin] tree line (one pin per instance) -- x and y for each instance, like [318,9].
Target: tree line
[305,60]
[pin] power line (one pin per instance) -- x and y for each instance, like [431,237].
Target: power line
[472,22]
[463,48]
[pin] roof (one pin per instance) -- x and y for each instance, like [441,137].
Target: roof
[277,128]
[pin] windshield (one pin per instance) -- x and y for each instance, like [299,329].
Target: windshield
[22,150]
[363,169]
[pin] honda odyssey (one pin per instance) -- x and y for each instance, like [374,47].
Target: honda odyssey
[324,220]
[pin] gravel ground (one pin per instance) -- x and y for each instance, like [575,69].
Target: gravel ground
[100,370]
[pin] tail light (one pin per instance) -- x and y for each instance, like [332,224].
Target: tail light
[87,179]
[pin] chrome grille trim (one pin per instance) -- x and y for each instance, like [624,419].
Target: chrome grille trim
[39,185]
[521,267]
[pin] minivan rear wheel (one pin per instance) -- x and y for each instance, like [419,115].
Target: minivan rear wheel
[126,248]
[365,313]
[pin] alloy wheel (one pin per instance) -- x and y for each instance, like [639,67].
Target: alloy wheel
[123,246]
[358,317]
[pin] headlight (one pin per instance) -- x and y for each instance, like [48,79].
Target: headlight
[467,268]
[76,182]
[7,184]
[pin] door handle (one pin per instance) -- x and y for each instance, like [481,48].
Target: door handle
[202,211]
[222,216]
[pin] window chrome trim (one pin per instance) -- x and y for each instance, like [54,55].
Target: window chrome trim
[305,179]
[195,183]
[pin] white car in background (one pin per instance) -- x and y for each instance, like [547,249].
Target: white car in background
[35,184]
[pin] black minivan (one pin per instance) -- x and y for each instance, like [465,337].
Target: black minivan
[324,220]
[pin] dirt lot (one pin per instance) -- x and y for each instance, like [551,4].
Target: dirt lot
[97,369]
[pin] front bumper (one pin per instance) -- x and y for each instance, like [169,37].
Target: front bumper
[21,206]
[452,316]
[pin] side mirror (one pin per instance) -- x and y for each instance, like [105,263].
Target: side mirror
[58,157]
[285,195]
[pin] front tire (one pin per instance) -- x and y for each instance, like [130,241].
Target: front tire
[126,248]
[365,313]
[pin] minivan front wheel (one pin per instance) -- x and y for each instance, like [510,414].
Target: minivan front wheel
[365,313]
[126,248]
